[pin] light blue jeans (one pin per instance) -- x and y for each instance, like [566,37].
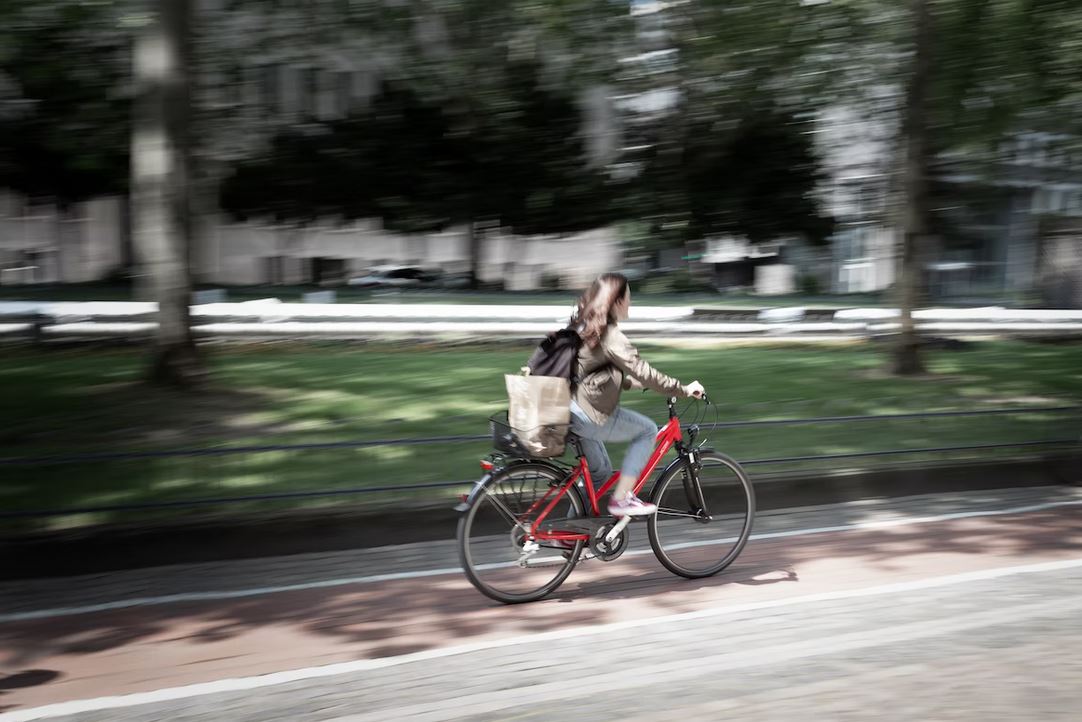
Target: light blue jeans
[623,425]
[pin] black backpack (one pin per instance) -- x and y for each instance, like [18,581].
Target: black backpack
[557,355]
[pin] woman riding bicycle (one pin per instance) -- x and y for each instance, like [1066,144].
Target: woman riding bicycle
[608,364]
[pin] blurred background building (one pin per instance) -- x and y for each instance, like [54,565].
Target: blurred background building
[39,244]
[1008,232]
[271,77]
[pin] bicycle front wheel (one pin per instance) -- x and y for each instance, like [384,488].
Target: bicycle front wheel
[704,515]
[495,549]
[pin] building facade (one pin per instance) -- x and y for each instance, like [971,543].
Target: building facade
[39,244]
[991,214]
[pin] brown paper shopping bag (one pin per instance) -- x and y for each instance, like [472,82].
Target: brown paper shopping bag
[539,412]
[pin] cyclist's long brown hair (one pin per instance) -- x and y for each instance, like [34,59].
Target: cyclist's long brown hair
[594,310]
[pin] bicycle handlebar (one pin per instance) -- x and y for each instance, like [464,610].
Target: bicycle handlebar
[672,401]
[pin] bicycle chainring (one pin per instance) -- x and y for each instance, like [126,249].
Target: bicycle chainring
[605,551]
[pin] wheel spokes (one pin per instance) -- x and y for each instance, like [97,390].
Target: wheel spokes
[500,556]
[687,537]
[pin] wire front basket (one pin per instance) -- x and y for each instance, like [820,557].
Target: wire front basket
[544,441]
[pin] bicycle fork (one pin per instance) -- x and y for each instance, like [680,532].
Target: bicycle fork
[693,487]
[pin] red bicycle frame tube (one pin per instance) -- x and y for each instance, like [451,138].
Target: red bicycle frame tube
[667,436]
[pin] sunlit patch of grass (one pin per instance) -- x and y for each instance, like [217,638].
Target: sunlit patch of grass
[388,453]
[113,497]
[171,484]
[75,521]
[249,420]
[245,481]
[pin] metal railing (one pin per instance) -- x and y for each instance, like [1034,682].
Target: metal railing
[1063,440]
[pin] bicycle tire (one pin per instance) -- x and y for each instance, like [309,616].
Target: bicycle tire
[481,551]
[676,527]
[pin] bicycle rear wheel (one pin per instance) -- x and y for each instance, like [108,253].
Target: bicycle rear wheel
[493,542]
[695,536]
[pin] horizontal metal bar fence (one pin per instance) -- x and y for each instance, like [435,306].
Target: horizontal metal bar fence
[924,450]
[887,417]
[327,493]
[315,446]
[229,450]
[186,503]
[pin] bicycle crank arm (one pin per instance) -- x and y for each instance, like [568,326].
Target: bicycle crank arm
[616,529]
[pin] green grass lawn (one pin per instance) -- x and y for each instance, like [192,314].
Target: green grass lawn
[71,400]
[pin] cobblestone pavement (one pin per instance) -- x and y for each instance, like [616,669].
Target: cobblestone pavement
[933,607]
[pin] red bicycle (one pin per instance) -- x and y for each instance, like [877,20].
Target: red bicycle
[526,523]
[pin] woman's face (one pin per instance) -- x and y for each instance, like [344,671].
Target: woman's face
[621,307]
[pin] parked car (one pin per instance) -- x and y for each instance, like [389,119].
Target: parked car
[394,277]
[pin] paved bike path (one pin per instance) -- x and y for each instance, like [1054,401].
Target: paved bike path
[156,643]
[329,569]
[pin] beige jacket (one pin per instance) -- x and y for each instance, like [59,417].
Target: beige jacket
[611,366]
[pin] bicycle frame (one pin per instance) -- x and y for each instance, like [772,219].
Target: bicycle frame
[668,436]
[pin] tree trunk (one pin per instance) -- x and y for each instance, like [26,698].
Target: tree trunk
[907,353]
[160,197]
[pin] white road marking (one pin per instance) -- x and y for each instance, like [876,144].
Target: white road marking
[238,684]
[376,578]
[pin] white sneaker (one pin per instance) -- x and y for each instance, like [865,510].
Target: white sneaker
[631,505]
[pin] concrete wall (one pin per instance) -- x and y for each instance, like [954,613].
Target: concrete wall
[40,244]
[1059,272]
[872,268]
[775,279]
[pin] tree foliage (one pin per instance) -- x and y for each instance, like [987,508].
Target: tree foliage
[731,151]
[408,162]
[757,180]
[64,113]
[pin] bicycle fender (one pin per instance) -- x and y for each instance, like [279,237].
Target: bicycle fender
[672,465]
[464,506]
